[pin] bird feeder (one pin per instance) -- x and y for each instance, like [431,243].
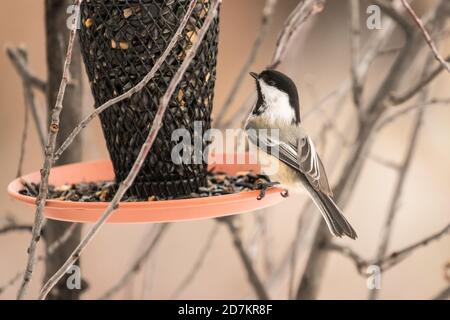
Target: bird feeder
[145,211]
[121,40]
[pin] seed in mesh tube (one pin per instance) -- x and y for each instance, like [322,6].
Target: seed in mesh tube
[113,44]
[88,23]
[124,45]
[128,12]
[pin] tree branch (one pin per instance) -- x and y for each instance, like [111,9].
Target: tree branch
[137,265]
[253,277]
[393,12]
[427,36]
[48,163]
[198,263]
[13,227]
[301,13]
[410,93]
[355,49]
[267,14]
[18,58]
[51,249]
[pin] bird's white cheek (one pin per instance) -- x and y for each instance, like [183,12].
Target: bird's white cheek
[278,106]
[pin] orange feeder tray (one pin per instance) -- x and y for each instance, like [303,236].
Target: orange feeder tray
[142,212]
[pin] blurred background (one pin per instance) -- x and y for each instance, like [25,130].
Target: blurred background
[319,62]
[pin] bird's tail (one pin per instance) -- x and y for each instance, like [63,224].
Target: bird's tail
[336,222]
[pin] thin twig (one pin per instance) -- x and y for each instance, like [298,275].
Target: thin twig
[427,36]
[198,263]
[399,255]
[13,227]
[137,265]
[316,261]
[253,277]
[48,163]
[137,88]
[383,162]
[393,12]
[287,36]
[410,93]
[293,260]
[390,260]
[398,191]
[360,263]
[267,14]
[398,114]
[23,143]
[18,57]
[51,249]
[301,13]
[355,22]
[125,185]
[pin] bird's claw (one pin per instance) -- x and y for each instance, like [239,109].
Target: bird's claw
[285,193]
[263,186]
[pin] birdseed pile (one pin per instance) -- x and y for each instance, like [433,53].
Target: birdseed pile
[218,184]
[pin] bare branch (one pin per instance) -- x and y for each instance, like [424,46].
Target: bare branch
[301,13]
[137,88]
[316,260]
[396,115]
[51,249]
[359,262]
[48,163]
[125,185]
[23,143]
[399,255]
[13,227]
[268,11]
[137,265]
[427,36]
[18,57]
[198,263]
[383,162]
[420,85]
[393,12]
[253,277]
[390,260]
[355,22]
[398,191]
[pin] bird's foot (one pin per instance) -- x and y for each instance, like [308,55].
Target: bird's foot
[285,193]
[262,186]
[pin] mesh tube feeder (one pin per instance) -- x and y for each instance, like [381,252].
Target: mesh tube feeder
[121,40]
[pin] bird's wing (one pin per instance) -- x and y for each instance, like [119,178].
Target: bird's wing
[308,162]
[312,167]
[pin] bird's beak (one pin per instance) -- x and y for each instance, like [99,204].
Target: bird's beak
[254,75]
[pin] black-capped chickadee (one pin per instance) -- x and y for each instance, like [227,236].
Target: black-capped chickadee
[291,150]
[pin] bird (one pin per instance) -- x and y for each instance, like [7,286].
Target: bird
[290,150]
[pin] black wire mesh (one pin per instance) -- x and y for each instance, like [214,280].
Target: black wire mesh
[121,40]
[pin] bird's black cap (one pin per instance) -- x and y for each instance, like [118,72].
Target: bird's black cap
[283,83]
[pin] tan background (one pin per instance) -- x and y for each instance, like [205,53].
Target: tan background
[321,65]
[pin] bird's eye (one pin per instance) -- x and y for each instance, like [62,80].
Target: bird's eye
[271,83]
